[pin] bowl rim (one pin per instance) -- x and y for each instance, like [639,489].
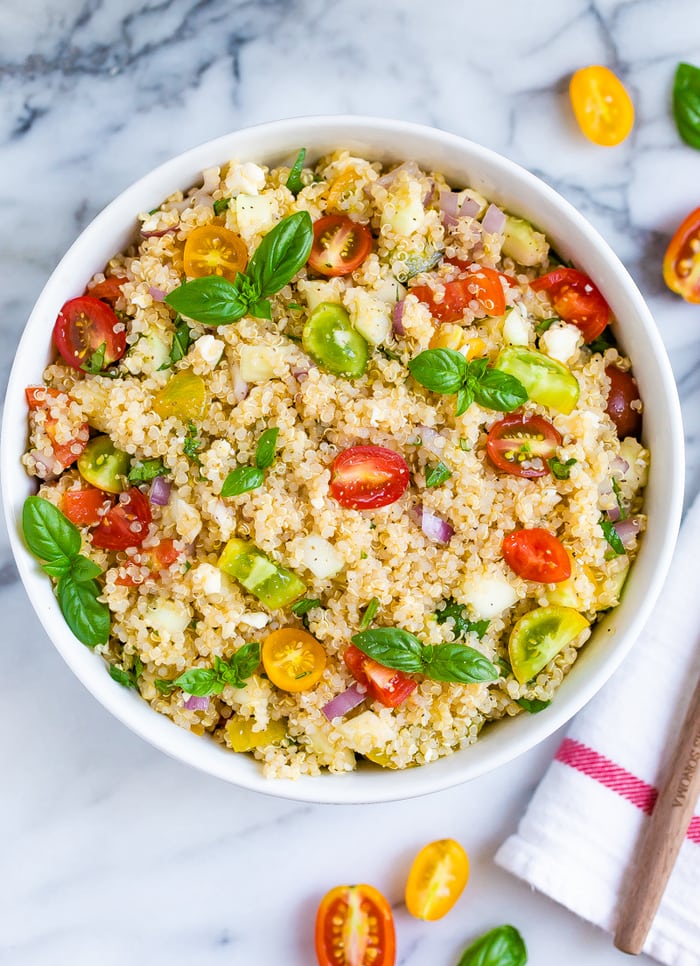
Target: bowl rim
[383,785]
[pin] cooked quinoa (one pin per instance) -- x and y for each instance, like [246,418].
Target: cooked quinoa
[182,612]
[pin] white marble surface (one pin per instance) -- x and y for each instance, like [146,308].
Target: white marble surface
[111,852]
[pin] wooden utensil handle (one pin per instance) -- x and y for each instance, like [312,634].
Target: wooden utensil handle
[659,844]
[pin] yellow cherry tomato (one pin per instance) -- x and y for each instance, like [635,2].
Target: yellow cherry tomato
[241,736]
[212,250]
[293,659]
[602,106]
[437,879]
[184,395]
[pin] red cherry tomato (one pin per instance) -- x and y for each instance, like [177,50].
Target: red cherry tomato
[109,290]
[623,392]
[355,927]
[682,259]
[484,286]
[340,245]
[521,445]
[157,558]
[536,554]
[41,400]
[83,326]
[85,508]
[383,683]
[575,299]
[368,477]
[126,524]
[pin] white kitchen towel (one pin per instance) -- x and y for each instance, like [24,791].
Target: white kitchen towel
[577,837]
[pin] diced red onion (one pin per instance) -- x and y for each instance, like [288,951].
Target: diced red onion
[469,208]
[494,221]
[613,513]
[300,373]
[240,386]
[429,195]
[433,526]
[397,317]
[160,491]
[410,167]
[342,703]
[159,234]
[448,202]
[157,294]
[196,703]
[628,529]
[619,465]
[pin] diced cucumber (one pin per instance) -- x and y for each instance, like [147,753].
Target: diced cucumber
[522,243]
[273,585]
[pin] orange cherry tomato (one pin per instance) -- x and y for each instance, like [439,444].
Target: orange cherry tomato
[437,879]
[602,106]
[355,927]
[682,259]
[483,286]
[109,290]
[293,659]
[86,507]
[340,245]
[44,428]
[536,554]
[212,250]
[575,299]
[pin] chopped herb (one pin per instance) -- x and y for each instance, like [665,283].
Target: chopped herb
[503,666]
[294,182]
[292,338]
[304,605]
[373,526]
[387,354]
[533,705]
[127,677]
[192,445]
[265,452]
[154,211]
[221,204]
[363,556]
[602,343]
[182,340]
[96,361]
[165,687]
[437,474]
[369,613]
[561,471]
[612,537]
[462,624]
[418,441]
[143,471]
[543,325]
[464,444]
[618,497]
[295,306]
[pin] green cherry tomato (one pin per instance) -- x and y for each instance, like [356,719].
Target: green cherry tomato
[539,636]
[547,381]
[103,465]
[273,585]
[332,342]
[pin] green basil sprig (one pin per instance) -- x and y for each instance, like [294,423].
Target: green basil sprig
[448,372]
[397,649]
[213,300]
[294,182]
[127,677]
[202,681]
[502,946]
[462,625]
[245,478]
[686,103]
[533,705]
[55,541]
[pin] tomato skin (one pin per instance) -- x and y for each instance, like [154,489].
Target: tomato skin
[521,445]
[293,659]
[575,299]
[355,927]
[623,392]
[484,286]
[114,530]
[340,245]
[602,106]
[383,684]
[213,250]
[436,879]
[42,399]
[82,326]
[86,507]
[536,554]
[682,259]
[109,290]
[368,477]
[158,558]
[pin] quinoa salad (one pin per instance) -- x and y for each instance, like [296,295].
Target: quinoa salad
[336,462]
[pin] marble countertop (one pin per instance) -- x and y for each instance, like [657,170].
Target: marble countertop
[112,851]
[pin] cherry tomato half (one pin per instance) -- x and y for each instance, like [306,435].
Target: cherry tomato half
[601,104]
[102,465]
[126,524]
[44,429]
[86,507]
[355,927]
[539,636]
[682,259]
[368,477]
[340,245]
[521,445]
[575,299]
[383,684]
[484,286]
[437,879]
[212,250]
[155,559]
[536,554]
[623,392]
[293,659]
[109,290]
[83,326]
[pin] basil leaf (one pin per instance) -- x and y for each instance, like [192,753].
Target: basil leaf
[221,204]
[440,370]
[127,679]
[211,300]
[602,343]
[686,103]
[543,325]
[618,499]
[241,480]
[612,536]
[182,340]
[281,253]
[192,444]
[87,617]
[165,687]
[262,309]
[502,946]
[460,663]
[83,569]
[200,681]
[462,625]
[500,391]
[49,534]
[465,397]
[96,361]
[265,453]
[369,613]
[561,471]
[533,705]
[294,182]
[57,567]
[304,605]
[503,666]
[437,475]
[143,471]
[391,647]
[241,665]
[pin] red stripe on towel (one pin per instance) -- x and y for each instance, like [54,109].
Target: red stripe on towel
[616,778]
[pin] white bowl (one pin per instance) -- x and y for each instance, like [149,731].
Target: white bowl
[502,181]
